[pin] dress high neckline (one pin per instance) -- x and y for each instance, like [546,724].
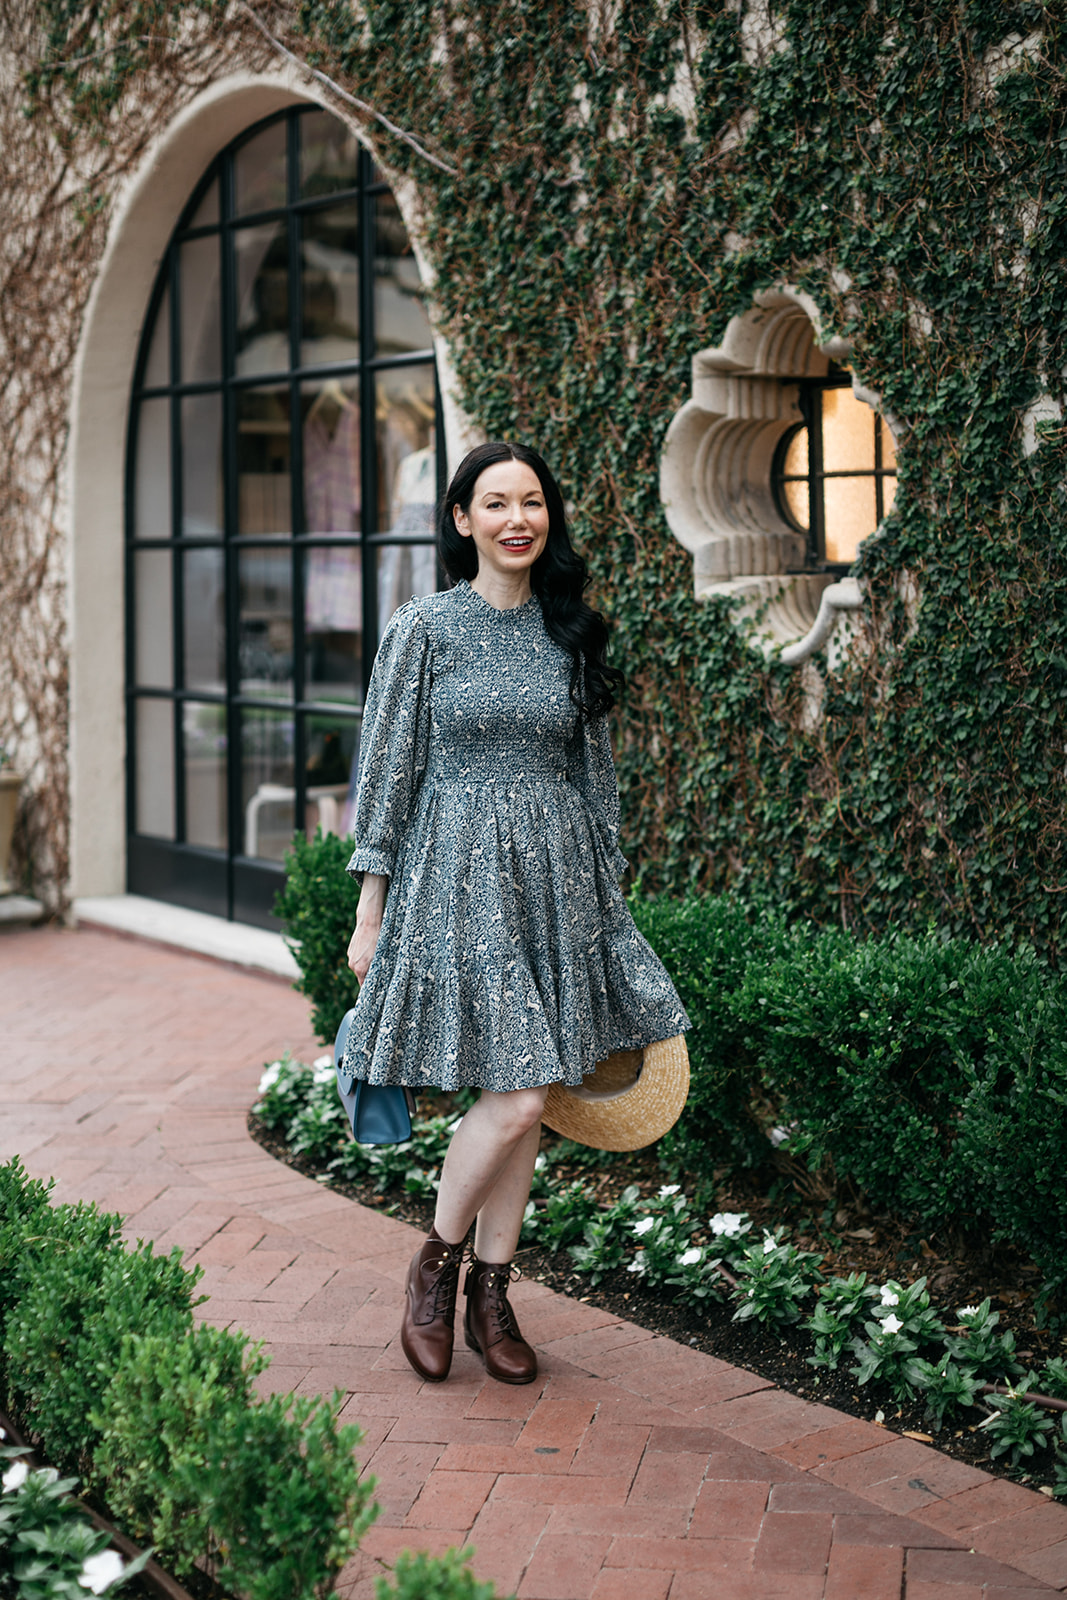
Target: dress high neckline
[479,600]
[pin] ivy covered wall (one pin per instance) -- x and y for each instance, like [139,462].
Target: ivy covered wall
[609,184]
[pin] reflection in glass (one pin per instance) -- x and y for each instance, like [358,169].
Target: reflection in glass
[261,261]
[266,620]
[154,735]
[847,432]
[204,618]
[206,214]
[404,570]
[407,472]
[329,155]
[205,743]
[202,466]
[157,367]
[401,322]
[333,622]
[263,461]
[331,441]
[267,775]
[153,640]
[259,172]
[332,744]
[151,500]
[330,292]
[200,306]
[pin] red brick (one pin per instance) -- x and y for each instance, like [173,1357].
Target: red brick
[1040,1526]
[974,1508]
[564,1569]
[957,1566]
[647,1522]
[608,1450]
[558,1424]
[797,1541]
[1049,1565]
[747,1586]
[611,1584]
[682,1555]
[668,1480]
[832,1444]
[450,1500]
[499,1459]
[858,1572]
[571,1490]
[915,1589]
[385,1543]
[726,1510]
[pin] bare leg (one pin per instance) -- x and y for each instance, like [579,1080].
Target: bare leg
[490,1165]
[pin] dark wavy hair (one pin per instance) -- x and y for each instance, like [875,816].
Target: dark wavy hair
[558,577]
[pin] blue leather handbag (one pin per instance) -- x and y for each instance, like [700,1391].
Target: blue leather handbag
[378,1113]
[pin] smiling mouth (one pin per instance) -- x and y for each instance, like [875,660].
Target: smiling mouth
[516,544]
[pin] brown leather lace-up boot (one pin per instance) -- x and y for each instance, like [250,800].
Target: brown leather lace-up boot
[427,1331]
[490,1327]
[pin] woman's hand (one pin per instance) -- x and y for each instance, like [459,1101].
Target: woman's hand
[364,941]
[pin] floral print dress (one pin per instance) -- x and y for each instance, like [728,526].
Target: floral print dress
[507,956]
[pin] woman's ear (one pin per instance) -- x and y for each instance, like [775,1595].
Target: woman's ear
[462,521]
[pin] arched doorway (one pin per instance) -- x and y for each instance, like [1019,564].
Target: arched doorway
[283,459]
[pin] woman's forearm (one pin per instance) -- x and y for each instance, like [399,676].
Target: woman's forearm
[369,915]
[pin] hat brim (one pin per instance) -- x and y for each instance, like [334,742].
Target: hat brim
[628,1101]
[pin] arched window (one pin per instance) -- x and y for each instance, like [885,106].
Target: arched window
[834,475]
[283,464]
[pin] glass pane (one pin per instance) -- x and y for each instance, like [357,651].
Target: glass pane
[329,155]
[200,304]
[151,504]
[407,467]
[330,292]
[847,432]
[157,367]
[261,260]
[267,777]
[889,444]
[331,773]
[206,214]
[889,494]
[403,570]
[153,635]
[333,622]
[202,506]
[400,320]
[330,423]
[204,620]
[263,461]
[796,456]
[154,727]
[204,730]
[266,620]
[795,493]
[259,171]
[850,515]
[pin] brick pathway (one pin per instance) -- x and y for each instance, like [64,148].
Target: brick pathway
[635,1469]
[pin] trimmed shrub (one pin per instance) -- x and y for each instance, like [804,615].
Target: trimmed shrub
[318,908]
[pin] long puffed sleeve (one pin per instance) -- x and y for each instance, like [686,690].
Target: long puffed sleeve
[593,774]
[393,743]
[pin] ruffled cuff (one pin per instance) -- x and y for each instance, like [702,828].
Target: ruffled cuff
[366,859]
[619,862]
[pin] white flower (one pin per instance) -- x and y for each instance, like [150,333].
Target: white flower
[539,1164]
[967,1311]
[892,1324]
[638,1263]
[323,1070]
[769,1244]
[3,1435]
[644,1225]
[667,1189]
[325,1060]
[777,1136]
[100,1572]
[270,1077]
[888,1297]
[15,1476]
[727,1223]
[690,1258]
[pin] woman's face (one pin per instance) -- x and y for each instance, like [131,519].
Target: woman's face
[507,519]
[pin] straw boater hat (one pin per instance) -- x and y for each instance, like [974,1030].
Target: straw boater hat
[627,1101]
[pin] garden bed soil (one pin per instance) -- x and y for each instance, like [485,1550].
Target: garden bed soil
[843,1232]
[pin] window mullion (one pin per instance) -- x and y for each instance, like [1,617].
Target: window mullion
[368,420]
[234,807]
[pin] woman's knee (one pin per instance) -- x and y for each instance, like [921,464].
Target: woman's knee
[518,1111]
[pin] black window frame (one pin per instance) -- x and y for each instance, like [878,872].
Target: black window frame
[809,399]
[227,883]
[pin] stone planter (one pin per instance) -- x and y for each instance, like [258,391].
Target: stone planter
[10,783]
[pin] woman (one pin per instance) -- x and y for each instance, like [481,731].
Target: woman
[492,942]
